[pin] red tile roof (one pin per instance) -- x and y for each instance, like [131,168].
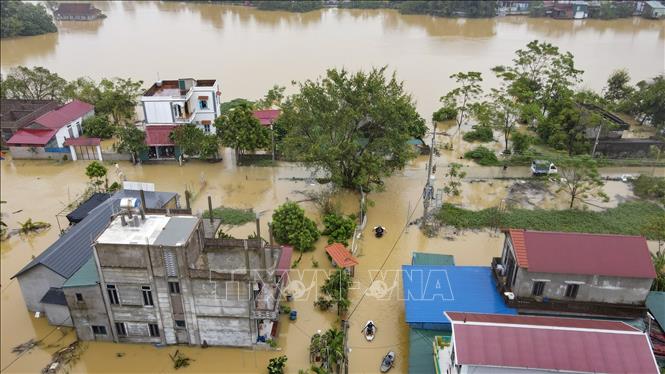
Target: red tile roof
[517,237]
[548,346]
[341,255]
[60,117]
[508,319]
[267,116]
[31,137]
[159,134]
[589,254]
[82,141]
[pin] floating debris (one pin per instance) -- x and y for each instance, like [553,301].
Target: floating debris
[64,358]
[22,348]
[180,360]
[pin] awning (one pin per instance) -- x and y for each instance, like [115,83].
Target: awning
[156,135]
[82,141]
[341,256]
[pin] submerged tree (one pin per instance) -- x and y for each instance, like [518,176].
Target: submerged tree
[37,83]
[618,86]
[276,365]
[131,140]
[461,99]
[355,126]
[328,350]
[188,138]
[454,178]
[98,127]
[579,178]
[336,287]
[241,130]
[291,226]
[30,226]
[274,96]
[97,174]
[18,18]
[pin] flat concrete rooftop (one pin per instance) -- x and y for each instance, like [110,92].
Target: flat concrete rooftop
[154,230]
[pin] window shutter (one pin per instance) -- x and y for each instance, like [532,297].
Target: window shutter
[170,264]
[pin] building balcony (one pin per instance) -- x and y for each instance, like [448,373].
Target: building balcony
[556,306]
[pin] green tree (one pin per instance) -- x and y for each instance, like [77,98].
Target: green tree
[276,365]
[454,177]
[336,287]
[97,173]
[355,126]
[579,178]
[291,226]
[503,112]
[328,350]
[648,102]
[29,226]
[37,83]
[447,111]
[521,142]
[188,138]
[84,89]
[274,97]
[227,106]
[118,98]
[131,140]
[24,19]
[338,228]
[655,230]
[98,127]
[241,130]
[658,260]
[463,97]
[618,86]
[209,147]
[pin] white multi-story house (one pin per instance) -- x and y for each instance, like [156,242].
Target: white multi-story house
[182,101]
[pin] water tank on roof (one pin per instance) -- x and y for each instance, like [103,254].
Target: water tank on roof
[129,203]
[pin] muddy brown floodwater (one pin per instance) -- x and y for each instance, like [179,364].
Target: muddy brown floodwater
[249,51]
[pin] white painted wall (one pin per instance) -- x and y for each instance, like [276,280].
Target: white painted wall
[158,111]
[63,132]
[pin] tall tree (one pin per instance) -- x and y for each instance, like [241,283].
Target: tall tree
[355,126]
[241,130]
[132,140]
[84,89]
[274,96]
[24,19]
[502,113]
[118,98]
[579,178]
[37,83]
[188,138]
[618,86]
[463,97]
[648,102]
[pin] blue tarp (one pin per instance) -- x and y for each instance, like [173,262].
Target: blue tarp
[429,291]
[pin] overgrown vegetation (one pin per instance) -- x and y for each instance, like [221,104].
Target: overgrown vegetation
[96,172]
[24,19]
[481,134]
[291,226]
[339,228]
[241,130]
[627,218]
[291,6]
[32,226]
[647,187]
[482,156]
[231,216]
[454,176]
[179,360]
[328,350]
[276,365]
[336,291]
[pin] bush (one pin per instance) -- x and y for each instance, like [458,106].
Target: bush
[339,229]
[98,127]
[647,187]
[290,226]
[231,216]
[521,142]
[625,219]
[479,134]
[482,156]
[445,113]
[276,365]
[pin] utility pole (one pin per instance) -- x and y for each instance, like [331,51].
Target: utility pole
[428,190]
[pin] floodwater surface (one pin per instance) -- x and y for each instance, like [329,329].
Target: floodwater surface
[249,51]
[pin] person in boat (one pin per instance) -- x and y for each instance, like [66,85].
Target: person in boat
[369,328]
[379,231]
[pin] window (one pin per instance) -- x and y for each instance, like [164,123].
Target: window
[174,287]
[206,128]
[147,296]
[120,329]
[571,290]
[79,297]
[203,103]
[179,323]
[99,330]
[113,294]
[538,287]
[154,330]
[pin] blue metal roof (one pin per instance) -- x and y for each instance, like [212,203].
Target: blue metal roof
[429,291]
[74,247]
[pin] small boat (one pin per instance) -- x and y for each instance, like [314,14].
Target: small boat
[379,231]
[369,330]
[388,361]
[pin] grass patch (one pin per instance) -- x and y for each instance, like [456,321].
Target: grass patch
[231,216]
[627,219]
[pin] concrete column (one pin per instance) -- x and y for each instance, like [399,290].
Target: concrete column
[99,153]
[73,152]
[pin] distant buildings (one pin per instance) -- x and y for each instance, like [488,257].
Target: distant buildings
[46,136]
[575,274]
[487,343]
[653,9]
[68,11]
[169,103]
[16,114]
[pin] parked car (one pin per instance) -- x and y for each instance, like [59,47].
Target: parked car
[543,167]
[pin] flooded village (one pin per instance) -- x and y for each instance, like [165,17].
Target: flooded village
[229,235]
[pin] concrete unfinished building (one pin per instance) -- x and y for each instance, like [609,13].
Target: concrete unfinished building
[156,278]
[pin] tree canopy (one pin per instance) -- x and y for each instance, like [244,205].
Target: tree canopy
[291,226]
[98,127]
[24,19]
[580,179]
[460,100]
[241,130]
[188,138]
[355,126]
[37,83]
[132,140]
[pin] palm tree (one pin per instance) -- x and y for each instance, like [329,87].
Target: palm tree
[658,259]
[334,356]
[29,226]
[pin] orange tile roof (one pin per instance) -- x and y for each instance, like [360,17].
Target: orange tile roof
[519,245]
[341,255]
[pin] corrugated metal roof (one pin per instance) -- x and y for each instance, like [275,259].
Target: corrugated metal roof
[67,254]
[85,276]
[429,291]
[54,296]
[60,117]
[564,322]
[656,305]
[421,352]
[31,137]
[589,254]
[177,231]
[547,347]
[655,4]
[435,259]
[78,214]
